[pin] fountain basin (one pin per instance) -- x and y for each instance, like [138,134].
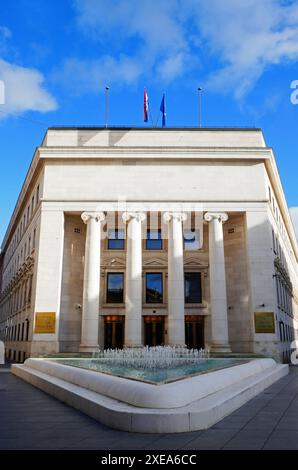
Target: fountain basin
[180,369]
[192,403]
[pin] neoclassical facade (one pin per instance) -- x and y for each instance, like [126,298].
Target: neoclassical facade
[128,237]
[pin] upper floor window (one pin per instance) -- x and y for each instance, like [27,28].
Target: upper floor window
[32,205]
[116,239]
[191,240]
[115,287]
[34,239]
[192,288]
[154,240]
[154,288]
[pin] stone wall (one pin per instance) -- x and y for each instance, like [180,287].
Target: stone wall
[239,318]
[72,284]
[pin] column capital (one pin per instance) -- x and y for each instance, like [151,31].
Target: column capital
[97,216]
[220,216]
[180,216]
[139,216]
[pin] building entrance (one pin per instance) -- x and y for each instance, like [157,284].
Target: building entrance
[154,330]
[194,331]
[113,331]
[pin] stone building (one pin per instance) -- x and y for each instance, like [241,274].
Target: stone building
[150,236]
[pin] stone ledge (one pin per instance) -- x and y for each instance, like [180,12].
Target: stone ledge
[200,414]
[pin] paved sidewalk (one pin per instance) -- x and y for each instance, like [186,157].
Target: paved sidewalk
[31,419]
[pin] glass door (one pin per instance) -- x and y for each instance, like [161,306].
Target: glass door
[154,330]
[113,332]
[194,331]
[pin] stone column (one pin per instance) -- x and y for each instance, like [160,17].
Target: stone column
[176,321]
[218,294]
[90,309]
[133,279]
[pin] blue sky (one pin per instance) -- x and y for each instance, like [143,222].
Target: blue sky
[56,57]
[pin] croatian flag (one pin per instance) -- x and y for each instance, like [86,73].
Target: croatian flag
[145,106]
[163,110]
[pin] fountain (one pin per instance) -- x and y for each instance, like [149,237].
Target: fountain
[152,389]
[155,357]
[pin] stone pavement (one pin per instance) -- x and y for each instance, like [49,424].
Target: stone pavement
[31,419]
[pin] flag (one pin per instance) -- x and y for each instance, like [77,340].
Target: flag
[163,110]
[145,106]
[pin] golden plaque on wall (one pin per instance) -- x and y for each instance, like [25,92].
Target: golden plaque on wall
[45,322]
[264,322]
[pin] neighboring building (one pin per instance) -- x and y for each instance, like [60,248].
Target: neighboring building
[226,276]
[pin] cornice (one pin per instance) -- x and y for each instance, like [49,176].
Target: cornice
[125,153]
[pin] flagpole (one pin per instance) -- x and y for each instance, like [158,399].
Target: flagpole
[200,106]
[107,105]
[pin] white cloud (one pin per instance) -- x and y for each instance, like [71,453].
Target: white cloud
[155,34]
[82,76]
[166,38]
[21,88]
[24,90]
[294,217]
[158,24]
[5,34]
[248,37]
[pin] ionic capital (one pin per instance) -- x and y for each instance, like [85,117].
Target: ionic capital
[97,216]
[139,216]
[220,216]
[179,216]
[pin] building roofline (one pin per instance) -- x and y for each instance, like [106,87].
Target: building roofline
[162,129]
[269,161]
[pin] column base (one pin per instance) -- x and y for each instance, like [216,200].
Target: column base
[220,348]
[85,348]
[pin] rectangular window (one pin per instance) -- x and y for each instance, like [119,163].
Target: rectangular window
[273,242]
[115,283]
[153,241]
[116,239]
[193,288]
[154,288]
[191,240]
[32,205]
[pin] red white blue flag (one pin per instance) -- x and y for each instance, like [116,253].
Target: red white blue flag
[145,106]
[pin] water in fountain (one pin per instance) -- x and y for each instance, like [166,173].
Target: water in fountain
[157,357]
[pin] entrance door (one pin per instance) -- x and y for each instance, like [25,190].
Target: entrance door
[194,331]
[113,331]
[154,330]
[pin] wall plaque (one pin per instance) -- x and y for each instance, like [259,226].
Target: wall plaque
[45,322]
[264,322]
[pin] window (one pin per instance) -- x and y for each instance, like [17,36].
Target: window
[273,241]
[116,239]
[37,195]
[115,282]
[193,288]
[154,288]
[34,239]
[32,205]
[191,240]
[153,241]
